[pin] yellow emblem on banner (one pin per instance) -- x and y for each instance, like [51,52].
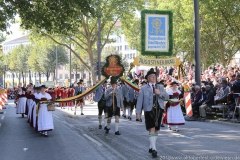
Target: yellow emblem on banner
[144,61]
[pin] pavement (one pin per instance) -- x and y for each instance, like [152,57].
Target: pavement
[77,137]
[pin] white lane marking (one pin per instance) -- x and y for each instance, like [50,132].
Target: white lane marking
[2,117]
[56,116]
[93,140]
[25,149]
[0,124]
[177,134]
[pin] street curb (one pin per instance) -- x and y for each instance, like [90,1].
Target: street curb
[222,122]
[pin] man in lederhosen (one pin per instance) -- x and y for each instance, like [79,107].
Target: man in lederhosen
[151,98]
[79,90]
[124,89]
[100,98]
[113,93]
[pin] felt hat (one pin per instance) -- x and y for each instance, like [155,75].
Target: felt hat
[174,82]
[113,80]
[43,86]
[151,71]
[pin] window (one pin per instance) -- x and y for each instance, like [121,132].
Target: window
[126,47]
[72,76]
[84,75]
[66,76]
[120,48]
[78,76]
[60,76]
[133,55]
[130,57]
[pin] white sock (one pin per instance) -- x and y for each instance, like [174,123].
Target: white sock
[129,114]
[152,141]
[105,121]
[108,124]
[100,120]
[150,146]
[124,111]
[116,126]
[81,109]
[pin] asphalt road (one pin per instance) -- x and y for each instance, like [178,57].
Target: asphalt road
[78,138]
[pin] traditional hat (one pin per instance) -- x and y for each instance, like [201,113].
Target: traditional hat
[24,89]
[174,82]
[151,71]
[80,82]
[113,80]
[105,82]
[43,86]
[136,81]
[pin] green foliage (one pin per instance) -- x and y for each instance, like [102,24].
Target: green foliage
[46,14]
[18,58]
[220,31]
[43,57]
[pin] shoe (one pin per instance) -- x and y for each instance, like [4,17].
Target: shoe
[140,120]
[117,133]
[124,116]
[150,150]
[107,130]
[82,114]
[169,128]
[162,125]
[100,127]
[130,118]
[154,153]
[137,119]
[45,134]
[22,115]
[176,130]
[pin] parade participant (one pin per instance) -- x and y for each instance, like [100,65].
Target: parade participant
[62,96]
[100,98]
[141,84]
[174,111]
[36,100]
[151,98]
[30,99]
[45,118]
[130,103]
[124,89]
[70,94]
[114,101]
[22,100]
[79,90]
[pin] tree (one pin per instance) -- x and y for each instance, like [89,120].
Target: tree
[40,13]
[219,29]
[18,59]
[42,58]
[81,29]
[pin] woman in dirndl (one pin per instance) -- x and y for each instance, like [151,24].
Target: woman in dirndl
[45,118]
[174,116]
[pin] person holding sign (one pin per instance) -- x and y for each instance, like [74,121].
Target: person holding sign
[114,101]
[151,98]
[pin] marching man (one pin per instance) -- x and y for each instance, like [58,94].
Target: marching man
[114,101]
[151,98]
[100,98]
[79,90]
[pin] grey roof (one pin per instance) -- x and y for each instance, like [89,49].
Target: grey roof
[23,39]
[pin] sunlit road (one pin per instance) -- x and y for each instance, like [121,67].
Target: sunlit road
[78,137]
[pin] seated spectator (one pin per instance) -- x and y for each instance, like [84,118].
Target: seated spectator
[225,89]
[196,100]
[209,101]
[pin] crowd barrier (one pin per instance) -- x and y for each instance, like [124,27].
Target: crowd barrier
[3,98]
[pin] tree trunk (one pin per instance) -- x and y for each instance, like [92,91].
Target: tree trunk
[19,78]
[23,78]
[39,74]
[47,76]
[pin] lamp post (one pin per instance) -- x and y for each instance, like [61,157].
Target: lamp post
[56,76]
[197,43]
[70,72]
[5,70]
